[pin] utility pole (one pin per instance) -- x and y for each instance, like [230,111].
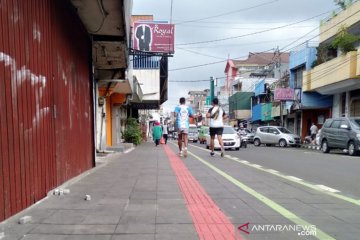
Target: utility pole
[212,88]
[281,113]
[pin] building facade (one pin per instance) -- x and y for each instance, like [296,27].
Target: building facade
[338,69]
[307,107]
[247,75]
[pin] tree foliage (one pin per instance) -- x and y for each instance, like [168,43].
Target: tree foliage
[345,41]
[344,4]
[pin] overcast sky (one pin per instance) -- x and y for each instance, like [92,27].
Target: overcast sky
[213,20]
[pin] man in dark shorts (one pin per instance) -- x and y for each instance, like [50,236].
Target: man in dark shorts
[216,115]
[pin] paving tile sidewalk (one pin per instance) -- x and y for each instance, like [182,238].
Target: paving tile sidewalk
[133,196]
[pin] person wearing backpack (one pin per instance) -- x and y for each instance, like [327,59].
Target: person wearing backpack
[216,115]
[182,113]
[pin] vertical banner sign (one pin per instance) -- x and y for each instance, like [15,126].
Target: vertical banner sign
[154,37]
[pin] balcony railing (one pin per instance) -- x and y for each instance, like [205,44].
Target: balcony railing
[143,61]
[334,71]
[348,17]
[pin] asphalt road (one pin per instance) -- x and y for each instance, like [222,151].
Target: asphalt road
[274,185]
[335,170]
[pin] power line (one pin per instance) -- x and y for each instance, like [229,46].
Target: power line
[323,31]
[227,13]
[283,48]
[200,65]
[211,63]
[196,66]
[329,69]
[190,81]
[239,23]
[238,28]
[240,44]
[237,75]
[198,53]
[253,33]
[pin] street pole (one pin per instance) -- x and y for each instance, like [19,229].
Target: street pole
[281,113]
[212,89]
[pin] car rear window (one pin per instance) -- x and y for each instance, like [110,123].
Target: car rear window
[336,124]
[229,130]
[283,130]
[263,129]
[273,130]
[327,123]
[193,130]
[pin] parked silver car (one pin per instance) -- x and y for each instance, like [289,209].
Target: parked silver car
[275,135]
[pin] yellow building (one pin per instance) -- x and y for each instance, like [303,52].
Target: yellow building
[338,73]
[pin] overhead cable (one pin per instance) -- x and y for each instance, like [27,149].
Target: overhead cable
[253,33]
[227,13]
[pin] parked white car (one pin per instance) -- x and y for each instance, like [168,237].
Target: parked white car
[193,134]
[230,138]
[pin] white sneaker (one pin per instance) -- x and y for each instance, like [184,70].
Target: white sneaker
[180,154]
[185,152]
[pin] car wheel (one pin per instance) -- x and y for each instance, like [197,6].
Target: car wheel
[237,149]
[351,149]
[325,147]
[282,143]
[257,142]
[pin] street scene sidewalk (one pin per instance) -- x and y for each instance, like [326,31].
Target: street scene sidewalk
[130,196]
[151,193]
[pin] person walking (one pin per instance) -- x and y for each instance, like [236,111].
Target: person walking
[157,133]
[165,131]
[216,115]
[313,131]
[182,114]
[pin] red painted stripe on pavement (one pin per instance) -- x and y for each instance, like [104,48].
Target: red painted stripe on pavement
[209,221]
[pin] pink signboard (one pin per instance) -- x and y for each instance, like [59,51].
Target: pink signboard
[154,37]
[284,94]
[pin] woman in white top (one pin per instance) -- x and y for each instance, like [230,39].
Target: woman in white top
[216,115]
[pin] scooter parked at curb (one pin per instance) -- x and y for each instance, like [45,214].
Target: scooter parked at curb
[243,141]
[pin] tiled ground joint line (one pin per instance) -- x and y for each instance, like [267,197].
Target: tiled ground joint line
[209,221]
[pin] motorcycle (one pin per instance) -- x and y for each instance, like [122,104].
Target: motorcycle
[243,140]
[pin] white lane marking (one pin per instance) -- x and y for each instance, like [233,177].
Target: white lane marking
[256,165]
[304,183]
[294,178]
[329,189]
